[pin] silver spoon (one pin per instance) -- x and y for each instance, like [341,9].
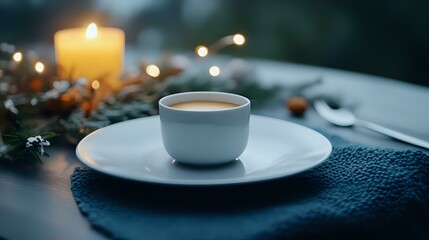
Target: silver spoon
[345,118]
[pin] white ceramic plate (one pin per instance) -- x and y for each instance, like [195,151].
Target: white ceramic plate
[133,150]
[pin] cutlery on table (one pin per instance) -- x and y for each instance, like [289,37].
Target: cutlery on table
[345,118]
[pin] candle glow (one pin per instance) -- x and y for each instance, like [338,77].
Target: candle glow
[92,52]
[91,31]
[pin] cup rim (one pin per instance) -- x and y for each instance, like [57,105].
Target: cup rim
[162,100]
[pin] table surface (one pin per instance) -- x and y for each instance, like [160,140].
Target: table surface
[36,201]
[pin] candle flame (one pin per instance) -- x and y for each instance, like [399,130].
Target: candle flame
[214,71]
[238,39]
[17,57]
[39,67]
[95,84]
[153,70]
[91,31]
[202,51]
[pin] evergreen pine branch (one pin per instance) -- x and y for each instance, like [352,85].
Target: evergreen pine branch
[17,149]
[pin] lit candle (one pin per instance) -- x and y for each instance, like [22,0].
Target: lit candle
[92,53]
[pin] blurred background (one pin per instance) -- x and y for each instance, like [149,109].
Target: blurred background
[387,38]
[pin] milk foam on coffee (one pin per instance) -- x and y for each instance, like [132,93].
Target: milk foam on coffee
[203,105]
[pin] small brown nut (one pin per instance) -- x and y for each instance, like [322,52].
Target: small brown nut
[297,105]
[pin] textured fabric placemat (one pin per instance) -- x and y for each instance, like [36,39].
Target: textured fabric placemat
[359,192]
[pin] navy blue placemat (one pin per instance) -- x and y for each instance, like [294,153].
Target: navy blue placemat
[359,192]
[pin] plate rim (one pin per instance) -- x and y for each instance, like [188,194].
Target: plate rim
[203,182]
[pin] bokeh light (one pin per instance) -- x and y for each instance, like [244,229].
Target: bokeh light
[153,70]
[214,71]
[95,84]
[202,51]
[17,57]
[39,67]
[238,39]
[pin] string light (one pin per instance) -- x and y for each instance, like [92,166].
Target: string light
[214,71]
[39,67]
[202,51]
[17,57]
[153,70]
[238,39]
[95,84]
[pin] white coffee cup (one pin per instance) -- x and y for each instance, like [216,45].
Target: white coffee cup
[204,136]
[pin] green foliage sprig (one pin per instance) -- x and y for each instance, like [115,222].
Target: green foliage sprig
[19,147]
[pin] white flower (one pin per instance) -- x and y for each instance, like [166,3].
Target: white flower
[39,142]
[10,105]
